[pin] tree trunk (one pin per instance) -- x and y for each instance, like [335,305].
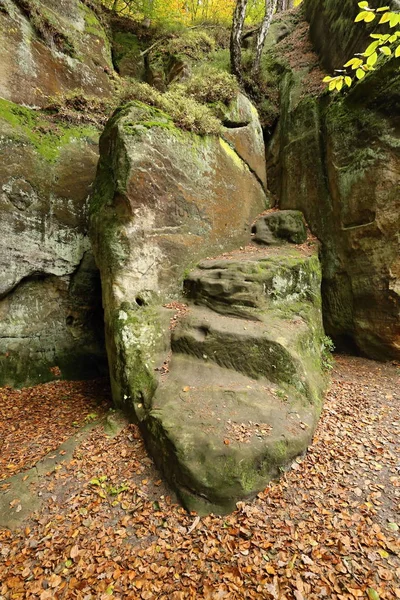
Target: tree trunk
[236,37]
[270,6]
[284,5]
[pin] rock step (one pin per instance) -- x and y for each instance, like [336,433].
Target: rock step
[276,348]
[220,436]
[245,283]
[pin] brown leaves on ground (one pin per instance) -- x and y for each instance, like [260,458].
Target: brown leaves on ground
[36,420]
[110,530]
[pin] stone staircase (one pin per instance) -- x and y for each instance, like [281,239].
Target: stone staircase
[244,386]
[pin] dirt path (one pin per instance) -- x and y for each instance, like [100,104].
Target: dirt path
[107,527]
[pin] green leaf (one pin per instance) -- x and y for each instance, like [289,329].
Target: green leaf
[372,594]
[354,63]
[68,563]
[384,18]
[393,526]
[94,481]
[348,81]
[385,50]
[361,16]
[360,74]
[371,60]
[397,52]
[371,48]
[363,4]
[327,79]
[383,9]
[394,19]
[339,84]
[370,16]
[332,85]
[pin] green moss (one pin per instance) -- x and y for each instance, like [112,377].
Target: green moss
[46,137]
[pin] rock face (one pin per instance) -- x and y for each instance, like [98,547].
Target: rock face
[51,48]
[163,199]
[244,384]
[50,307]
[339,163]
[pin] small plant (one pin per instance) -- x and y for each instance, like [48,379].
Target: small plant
[90,417]
[107,489]
[384,44]
[327,347]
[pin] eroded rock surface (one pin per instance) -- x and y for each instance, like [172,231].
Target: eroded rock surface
[337,160]
[243,390]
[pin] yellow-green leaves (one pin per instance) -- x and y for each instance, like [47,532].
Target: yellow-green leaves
[383,45]
[337,83]
[365,15]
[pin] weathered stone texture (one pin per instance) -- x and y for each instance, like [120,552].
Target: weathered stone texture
[33,69]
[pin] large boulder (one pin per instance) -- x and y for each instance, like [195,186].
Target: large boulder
[229,393]
[242,393]
[339,164]
[50,298]
[163,199]
[50,48]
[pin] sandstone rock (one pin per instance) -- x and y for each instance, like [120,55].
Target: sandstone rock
[279,227]
[163,199]
[35,67]
[243,131]
[339,164]
[50,303]
[243,393]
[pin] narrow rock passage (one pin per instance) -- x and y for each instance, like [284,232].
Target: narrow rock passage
[327,529]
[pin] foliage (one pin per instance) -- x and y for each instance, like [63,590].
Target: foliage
[185,111]
[192,44]
[210,85]
[327,348]
[188,12]
[383,45]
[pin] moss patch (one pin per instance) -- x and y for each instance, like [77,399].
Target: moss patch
[47,137]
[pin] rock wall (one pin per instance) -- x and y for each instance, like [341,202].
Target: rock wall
[337,159]
[50,302]
[50,295]
[51,48]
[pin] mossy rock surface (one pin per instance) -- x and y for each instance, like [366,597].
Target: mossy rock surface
[50,294]
[243,393]
[163,199]
[336,159]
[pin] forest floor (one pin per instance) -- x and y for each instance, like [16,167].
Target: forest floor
[105,525]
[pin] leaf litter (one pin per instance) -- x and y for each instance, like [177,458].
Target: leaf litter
[322,531]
